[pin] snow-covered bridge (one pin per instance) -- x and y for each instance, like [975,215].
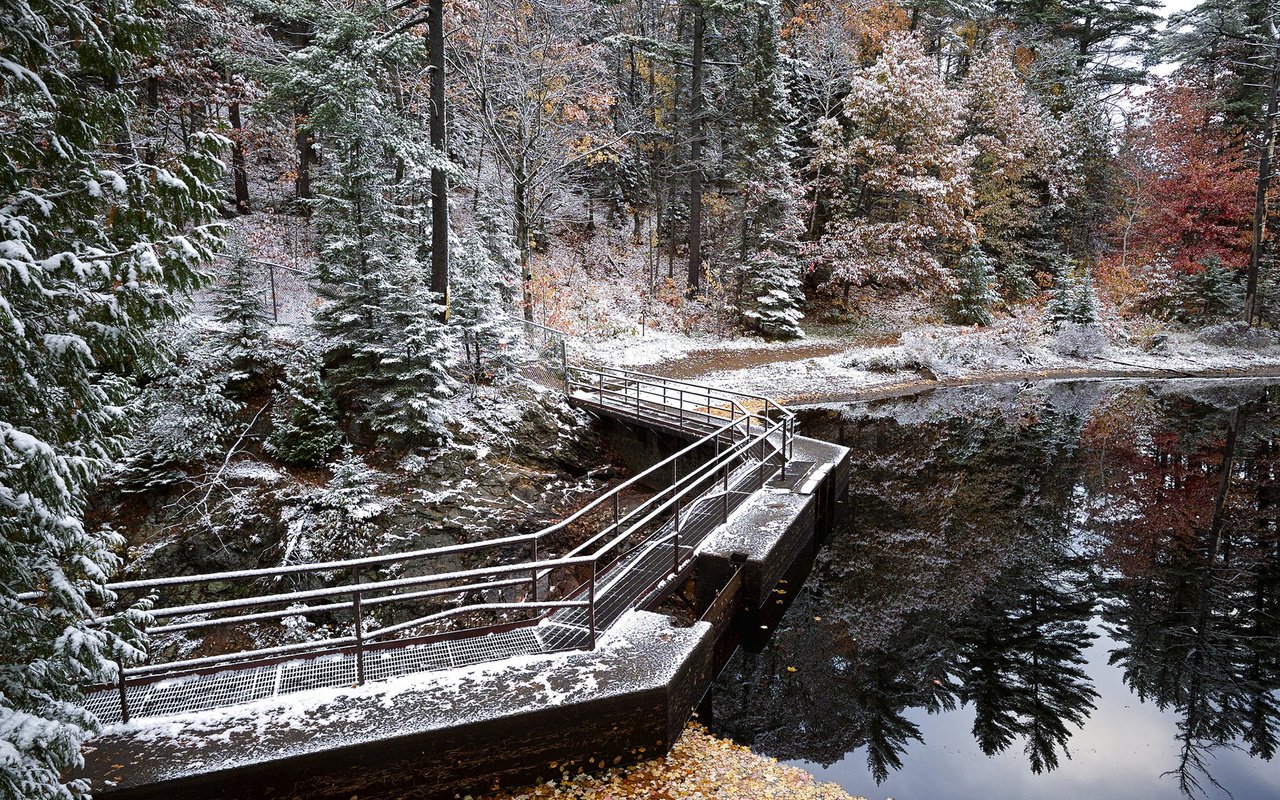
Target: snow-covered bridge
[733,505]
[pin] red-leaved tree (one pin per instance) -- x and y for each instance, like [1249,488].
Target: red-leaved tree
[1187,190]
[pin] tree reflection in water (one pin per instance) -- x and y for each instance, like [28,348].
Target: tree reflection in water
[985,545]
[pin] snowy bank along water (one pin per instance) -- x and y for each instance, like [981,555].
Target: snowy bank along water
[1044,589]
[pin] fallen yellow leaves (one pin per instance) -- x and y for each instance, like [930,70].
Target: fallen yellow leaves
[698,766]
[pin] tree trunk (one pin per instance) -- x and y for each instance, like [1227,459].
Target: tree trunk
[299,38]
[520,194]
[239,171]
[695,155]
[439,183]
[1252,311]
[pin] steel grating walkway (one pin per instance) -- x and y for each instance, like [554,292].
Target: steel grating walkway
[634,579]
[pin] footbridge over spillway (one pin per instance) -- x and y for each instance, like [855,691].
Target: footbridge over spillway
[448,670]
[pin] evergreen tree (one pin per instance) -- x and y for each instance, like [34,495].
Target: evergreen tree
[96,246]
[239,309]
[343,513]
[411,367]
[370,269]
[761,151]
[304,428]
[975,293]
[1017,283]
[1074,301]
[1212,292]
[486,270]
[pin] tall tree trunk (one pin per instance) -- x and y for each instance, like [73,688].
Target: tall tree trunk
[153,103]
[306,157]
[439,184]
[520,195]
[299,38]
[695,154]
[239,171]
[1252,311]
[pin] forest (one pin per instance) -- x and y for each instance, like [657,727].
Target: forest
[268,267]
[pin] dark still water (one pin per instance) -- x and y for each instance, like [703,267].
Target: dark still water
[1041,591]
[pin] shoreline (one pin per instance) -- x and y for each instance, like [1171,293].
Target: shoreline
[920,385]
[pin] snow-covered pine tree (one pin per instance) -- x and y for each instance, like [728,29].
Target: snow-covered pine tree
[304,425]
[486,275]
[975,293]
[239,309]
[1074,300]
[343,511]
[761,153]
[375,167]
[1212,293]
[775,310]
[96,246]
[411,366]
[1084,309]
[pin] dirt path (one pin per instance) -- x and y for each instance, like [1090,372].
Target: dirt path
[701,362]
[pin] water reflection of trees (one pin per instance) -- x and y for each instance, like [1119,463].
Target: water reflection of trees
[1193,597]
[981,548]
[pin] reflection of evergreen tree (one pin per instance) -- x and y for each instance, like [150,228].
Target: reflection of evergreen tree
[1021,664]
[959,579]
[952,521]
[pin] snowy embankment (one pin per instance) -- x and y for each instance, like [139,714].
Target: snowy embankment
[1017,348]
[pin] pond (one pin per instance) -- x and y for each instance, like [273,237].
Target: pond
[1041,590]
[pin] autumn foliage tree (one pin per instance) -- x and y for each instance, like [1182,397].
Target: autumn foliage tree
[1186,185]
[897,175]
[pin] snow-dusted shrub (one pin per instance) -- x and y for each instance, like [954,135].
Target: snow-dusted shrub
[891,360]
[1237,334]
[1078,341]
[185,414]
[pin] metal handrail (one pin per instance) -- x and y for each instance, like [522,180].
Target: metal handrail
[745,438]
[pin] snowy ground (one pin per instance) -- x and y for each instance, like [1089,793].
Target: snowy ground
[831,366]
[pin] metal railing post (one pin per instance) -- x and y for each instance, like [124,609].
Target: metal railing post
[724,497]
[124,693]
[600,386]
[534,573]
[680,405]
[359,623]
[616,514]
[761,478]
[591,604]
[783,451]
